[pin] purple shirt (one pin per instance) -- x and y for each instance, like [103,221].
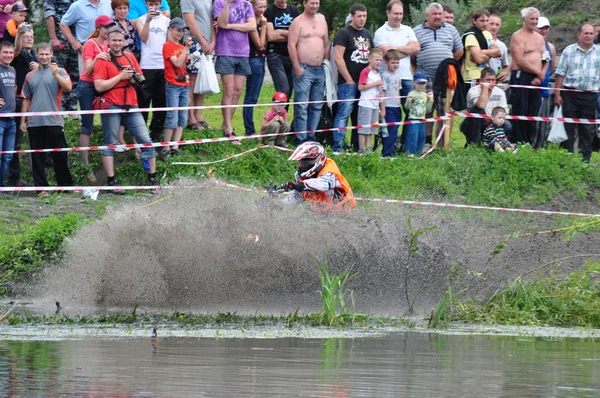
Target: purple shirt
[233,43]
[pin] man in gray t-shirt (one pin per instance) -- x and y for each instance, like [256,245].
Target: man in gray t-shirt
[199,20]
[42,91]
[8,129]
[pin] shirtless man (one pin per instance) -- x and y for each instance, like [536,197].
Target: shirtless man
[529,65]
[308,46]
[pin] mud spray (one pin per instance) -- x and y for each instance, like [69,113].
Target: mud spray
[211,249]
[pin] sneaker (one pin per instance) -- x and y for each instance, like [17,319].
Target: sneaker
[91,177]
[337,153]
[115,183]
[119,148]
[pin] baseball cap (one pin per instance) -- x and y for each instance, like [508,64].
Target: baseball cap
[104,20]
[420,77]
[348,19]
[177,23]
[279,97]
[542,22]
[19,7]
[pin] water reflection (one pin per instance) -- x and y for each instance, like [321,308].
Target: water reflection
[406,364]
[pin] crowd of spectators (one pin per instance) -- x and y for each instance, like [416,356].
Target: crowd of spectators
[125,54]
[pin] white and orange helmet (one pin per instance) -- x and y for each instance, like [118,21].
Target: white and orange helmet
[311,157]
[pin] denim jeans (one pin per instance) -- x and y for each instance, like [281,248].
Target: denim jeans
[86,95]
[281,70]
[415,137]
[177,96]
[254,83]
[8,130]
[308,87]
[345,91]
[133,122]
[392,115]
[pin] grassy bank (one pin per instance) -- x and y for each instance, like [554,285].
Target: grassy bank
[560,299]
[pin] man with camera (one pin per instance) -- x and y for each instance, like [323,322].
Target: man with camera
[152,29]
[40,92]
[115,80]
[24,62]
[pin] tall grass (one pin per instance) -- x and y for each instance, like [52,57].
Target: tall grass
[334,295]
[556,300]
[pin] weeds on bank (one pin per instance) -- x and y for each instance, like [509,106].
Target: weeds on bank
[24,253]
[178,319]
[556,300]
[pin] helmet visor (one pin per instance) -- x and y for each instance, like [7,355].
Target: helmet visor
[305,164]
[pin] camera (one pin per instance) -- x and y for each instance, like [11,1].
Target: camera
[27,56]
[53,60]
[26,28]
[139,79]
[182,78]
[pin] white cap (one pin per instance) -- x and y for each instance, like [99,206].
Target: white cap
[543,21]
[348,19]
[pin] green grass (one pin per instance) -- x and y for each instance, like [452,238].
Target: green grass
[558,300]
[25,252]
[334,295]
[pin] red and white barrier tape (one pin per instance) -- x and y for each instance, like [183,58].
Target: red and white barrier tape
[177,108]
[82,188]
[233,186]
[439,204]
[530,118]
[218,139]
[437,140]
[203,107]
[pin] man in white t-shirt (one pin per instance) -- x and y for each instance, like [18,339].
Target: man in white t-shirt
[395,36]
[483,98]
[152,29]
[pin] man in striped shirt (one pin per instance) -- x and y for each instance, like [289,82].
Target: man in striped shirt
[438,41]
[579,69]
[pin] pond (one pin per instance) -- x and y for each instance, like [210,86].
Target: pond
[411,363]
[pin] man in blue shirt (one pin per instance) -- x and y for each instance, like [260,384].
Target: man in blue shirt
[137,8]
[83,14]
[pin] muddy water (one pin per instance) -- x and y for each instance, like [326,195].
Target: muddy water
[396,364]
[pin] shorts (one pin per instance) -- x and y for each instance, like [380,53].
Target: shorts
[367,116]
[233,66]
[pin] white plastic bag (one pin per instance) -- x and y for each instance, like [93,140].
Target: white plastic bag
[557,131]
[206,81]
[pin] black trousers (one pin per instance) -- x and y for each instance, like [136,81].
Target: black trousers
[525,102]
[581,105]
[14,167]
[154,91]
[45,137]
